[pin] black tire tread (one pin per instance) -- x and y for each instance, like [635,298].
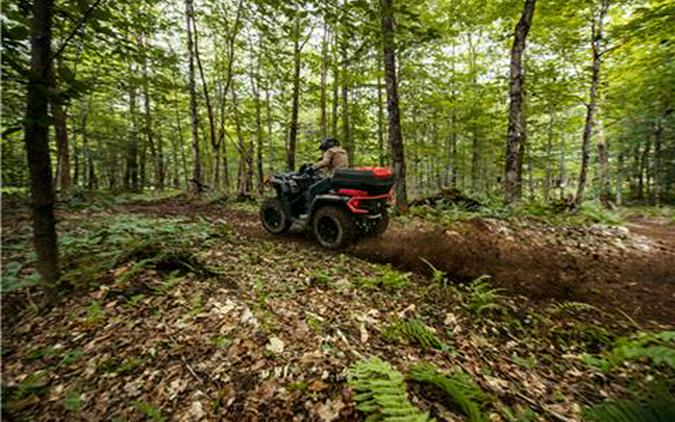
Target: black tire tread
[343,219]
[276,203]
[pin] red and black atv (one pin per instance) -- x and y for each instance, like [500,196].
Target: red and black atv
[351,204]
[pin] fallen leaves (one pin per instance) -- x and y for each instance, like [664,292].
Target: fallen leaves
[274,348]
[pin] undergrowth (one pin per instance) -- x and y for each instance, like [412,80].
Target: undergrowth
[657,348]
[458,387]
[91,248]
[415,331]
[380,393]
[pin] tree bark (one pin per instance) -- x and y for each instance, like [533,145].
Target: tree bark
[619,179]
[346,129]
[336,84]
[596,45]
[63,180]
[603,166]
[549,159]
[209,107]
[255,88]
[517,135]
[197,163]
[131,171]
[324,76]
[657,133]
[380,122]
[243,190]
[36,132]
[268,121]
[295,101]
[643,169]
[154,153]
[394,119]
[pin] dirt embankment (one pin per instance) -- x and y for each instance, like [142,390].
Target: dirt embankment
[613,268]
[630,269]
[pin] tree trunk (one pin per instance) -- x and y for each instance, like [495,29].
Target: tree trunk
[394,118]
[596,44]
[175,179]
[63,180]
[255,88]
[656,191]
[243,190]
[293,132]
[271,157]
[336,84]
[215,148]
[158,169]
[346,129]
[131,172]
[517,135]
[549,158]
[562,181]
[452,147]
[181,142]
[603,166]
[37,148]
[197,163]
[380,122]
[642,169]
[619,179]
[324,76]
[475,136]
[475,160]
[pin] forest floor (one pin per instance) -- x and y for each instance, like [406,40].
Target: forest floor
[186,309]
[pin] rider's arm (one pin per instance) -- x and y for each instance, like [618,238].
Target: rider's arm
[325,161]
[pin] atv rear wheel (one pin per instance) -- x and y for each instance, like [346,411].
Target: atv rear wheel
[273,216]
[333,227]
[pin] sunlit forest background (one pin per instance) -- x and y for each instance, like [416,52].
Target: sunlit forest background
[121,113]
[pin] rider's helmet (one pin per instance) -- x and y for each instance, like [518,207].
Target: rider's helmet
[328,143]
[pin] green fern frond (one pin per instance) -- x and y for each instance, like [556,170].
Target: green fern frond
[437,276]
[416,331]
[659,348]
[380,392]
[482,297]
[570,307]
[660,410]
[458,386]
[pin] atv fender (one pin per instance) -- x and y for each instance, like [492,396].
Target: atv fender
[325,199]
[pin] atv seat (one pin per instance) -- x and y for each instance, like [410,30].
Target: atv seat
[374,180]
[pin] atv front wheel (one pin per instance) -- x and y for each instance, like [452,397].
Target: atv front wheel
[273,216]
[333,227]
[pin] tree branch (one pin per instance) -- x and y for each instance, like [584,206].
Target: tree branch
[74,31]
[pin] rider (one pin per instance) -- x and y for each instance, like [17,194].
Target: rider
[334,157]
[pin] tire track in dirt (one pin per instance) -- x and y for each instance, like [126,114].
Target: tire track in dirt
[639,283]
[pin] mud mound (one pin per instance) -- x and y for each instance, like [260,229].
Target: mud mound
[606,267]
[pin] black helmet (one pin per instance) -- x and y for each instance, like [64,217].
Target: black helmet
[328,143]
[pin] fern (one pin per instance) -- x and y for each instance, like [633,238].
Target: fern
[458,386]
[657,347]
[660,410]
[482,297]
[381,393]
[570,307]
[438,277]
[416,331]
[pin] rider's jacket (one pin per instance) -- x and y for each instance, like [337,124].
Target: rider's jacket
[333,158]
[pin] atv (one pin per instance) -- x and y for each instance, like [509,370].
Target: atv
[350,205]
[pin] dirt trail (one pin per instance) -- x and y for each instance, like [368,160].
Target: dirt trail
[613,268]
